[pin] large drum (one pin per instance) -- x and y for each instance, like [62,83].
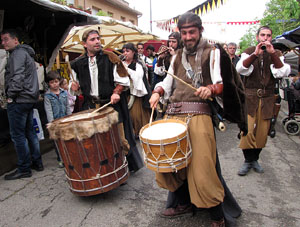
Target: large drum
[166,145]
[90,147]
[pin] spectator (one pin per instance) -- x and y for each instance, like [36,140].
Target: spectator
[231,49]
[56,103]
[22,91]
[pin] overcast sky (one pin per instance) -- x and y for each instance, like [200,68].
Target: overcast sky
[232,10]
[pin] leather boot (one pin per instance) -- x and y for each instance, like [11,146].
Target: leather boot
[245,169]
[179,211]
[257,168]
[220,223]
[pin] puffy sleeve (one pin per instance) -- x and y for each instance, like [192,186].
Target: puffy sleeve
[138,87]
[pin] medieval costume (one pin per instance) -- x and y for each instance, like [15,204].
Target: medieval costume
[140,92]
[201,183]
[99,78]
[259,82]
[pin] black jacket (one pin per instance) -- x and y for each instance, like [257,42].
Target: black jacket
[21,80]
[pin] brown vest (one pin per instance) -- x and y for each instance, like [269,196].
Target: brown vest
[183,93]
[260,78]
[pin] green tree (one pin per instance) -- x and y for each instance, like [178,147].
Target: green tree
[249,39]
[280,16]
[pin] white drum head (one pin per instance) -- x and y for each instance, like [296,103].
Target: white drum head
[163,131]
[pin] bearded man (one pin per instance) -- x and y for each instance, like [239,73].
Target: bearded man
[208,69]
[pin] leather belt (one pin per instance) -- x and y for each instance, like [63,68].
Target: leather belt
[259,92]
[188,107]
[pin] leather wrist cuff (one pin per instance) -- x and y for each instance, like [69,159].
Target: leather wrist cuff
[118,89]
[159,90]
[248,61]
[216,89]
[276,60]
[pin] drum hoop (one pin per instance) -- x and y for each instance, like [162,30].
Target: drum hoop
[167,140]
[61,121]
[158,142]
[105,186]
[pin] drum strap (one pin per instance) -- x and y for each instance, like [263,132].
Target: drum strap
[188,108]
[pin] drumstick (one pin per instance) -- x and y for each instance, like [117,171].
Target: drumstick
[100,108]
[150,122]
[182,81]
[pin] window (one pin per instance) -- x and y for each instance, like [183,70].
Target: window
[123,18]
[95,10]
[132,21]
[110,14]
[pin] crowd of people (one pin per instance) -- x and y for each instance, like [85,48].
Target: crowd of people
[134,84]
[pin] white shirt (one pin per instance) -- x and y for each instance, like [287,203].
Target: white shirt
[277,73]
[215,75]
[124,81]
[160,70]
[138,87]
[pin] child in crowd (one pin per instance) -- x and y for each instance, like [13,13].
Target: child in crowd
[71,98]
[56,102]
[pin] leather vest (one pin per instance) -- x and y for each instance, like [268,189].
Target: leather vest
[183,93]
[261,79]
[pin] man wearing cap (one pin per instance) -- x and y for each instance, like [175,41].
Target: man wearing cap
[200,65]
[101,77]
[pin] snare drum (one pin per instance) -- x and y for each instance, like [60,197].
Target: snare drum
[166,145]
[90,147]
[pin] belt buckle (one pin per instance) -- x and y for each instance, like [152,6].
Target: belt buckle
[259,93]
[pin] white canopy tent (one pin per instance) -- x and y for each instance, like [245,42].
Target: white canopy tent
[114,34]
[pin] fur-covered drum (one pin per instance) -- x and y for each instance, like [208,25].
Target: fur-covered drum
[90,147]
[166,145]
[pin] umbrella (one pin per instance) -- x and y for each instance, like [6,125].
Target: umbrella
[114,34]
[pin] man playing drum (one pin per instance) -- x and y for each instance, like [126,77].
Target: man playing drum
[101,77]
[198,64]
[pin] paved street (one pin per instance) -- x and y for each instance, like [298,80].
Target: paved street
[270,199]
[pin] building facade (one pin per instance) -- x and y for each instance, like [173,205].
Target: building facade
[117,9]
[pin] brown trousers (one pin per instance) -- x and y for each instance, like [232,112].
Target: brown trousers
[204,184]
[258,130]
[139,115]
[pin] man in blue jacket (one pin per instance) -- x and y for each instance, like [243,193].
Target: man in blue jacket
[22,91]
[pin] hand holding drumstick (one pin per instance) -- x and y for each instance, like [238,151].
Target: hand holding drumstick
[202,92]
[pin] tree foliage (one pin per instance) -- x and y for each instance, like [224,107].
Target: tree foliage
[280,16]
[249,39]
[102,13]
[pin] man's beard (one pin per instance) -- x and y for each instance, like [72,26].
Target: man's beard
[193,48]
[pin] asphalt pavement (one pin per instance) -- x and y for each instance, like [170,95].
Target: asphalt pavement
[270,199]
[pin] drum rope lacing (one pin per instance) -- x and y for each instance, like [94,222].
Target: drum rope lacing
[98,176]
[103,187]
[170,160]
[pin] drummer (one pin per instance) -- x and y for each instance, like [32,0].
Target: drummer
[101,78]
[201,183]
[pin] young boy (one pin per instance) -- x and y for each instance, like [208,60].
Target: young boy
[56,102]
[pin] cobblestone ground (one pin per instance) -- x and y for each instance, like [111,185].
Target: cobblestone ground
[270,199]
